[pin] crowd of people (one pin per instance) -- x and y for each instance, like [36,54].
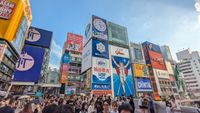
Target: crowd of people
[76,104]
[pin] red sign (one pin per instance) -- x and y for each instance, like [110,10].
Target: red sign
[6,9]
[64,73]
[74,42]
[157,60]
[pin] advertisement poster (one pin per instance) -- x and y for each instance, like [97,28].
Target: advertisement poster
[66,58]
[117,33]
[122,76]
[119,51]
[39,37]
[101,92]
[99,28]
[101,74]
[100,49]
[140,70]
[6,9]
[161,73]
[157,60]
[87,57]
[74,42]
[152,47]
[29,64]
[20,35]
[64,73]
[143,85]
[88,79]
[2,51]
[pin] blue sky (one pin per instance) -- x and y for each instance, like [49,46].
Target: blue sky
[170,22]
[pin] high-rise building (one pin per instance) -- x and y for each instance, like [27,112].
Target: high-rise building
[189,66]
[15,20]
[70,69]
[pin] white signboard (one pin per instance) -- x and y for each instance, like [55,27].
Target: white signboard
[169,67]
[119,51]
[87,57]
[161,73]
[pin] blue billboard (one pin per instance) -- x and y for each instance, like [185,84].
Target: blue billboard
[143,85]
[152,47]
[122,76]
[39,37]
[29,64]
[100,48]
[101,86]
[66,58]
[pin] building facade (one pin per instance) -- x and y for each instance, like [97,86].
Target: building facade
[140,70]
[70,69]
[189,66]
[14,26]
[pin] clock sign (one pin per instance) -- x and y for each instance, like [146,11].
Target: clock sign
[99,28]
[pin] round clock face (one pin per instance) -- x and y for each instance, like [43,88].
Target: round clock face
[99,24]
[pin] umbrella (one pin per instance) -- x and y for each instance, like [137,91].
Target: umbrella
[24,96]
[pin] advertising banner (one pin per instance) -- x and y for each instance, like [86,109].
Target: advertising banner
[2,51]
[99,28]
[88,79]
[39,37]
[101,74]
[29,64]
[119,51]
[87,57]
[6,9]
[157,60]
[101,92]
[143,84]
[152,47]
[74,42]
[140,70]
[169,68]
[117,34]
[70,91]
[66,58]
[20,35]
[100,49]
[64,73]
[161,73]
[122,76]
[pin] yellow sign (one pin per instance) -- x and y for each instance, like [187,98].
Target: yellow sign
[10,26]
[140,70]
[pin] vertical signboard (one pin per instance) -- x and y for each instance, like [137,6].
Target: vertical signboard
[100,48]
[117,34]
[121,72]
[66,58]
[137,55]
[143,84]
[64,73]
[29,64]
[39,37]
[140,70]
[87,57]
[2,51]
[101,79]
[74,42]
[88,79]
[20,35]
[96,28]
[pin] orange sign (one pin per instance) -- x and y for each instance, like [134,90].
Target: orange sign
[157,61]
[140,70]
[74,42]
[102,92]
[64,73]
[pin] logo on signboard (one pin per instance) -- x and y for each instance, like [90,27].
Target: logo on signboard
[33,35]
[101,63]
[100,47]
[144,85]
[25,62]
[119,51]
[6,9]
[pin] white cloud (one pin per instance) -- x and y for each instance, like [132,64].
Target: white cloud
[197,6]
